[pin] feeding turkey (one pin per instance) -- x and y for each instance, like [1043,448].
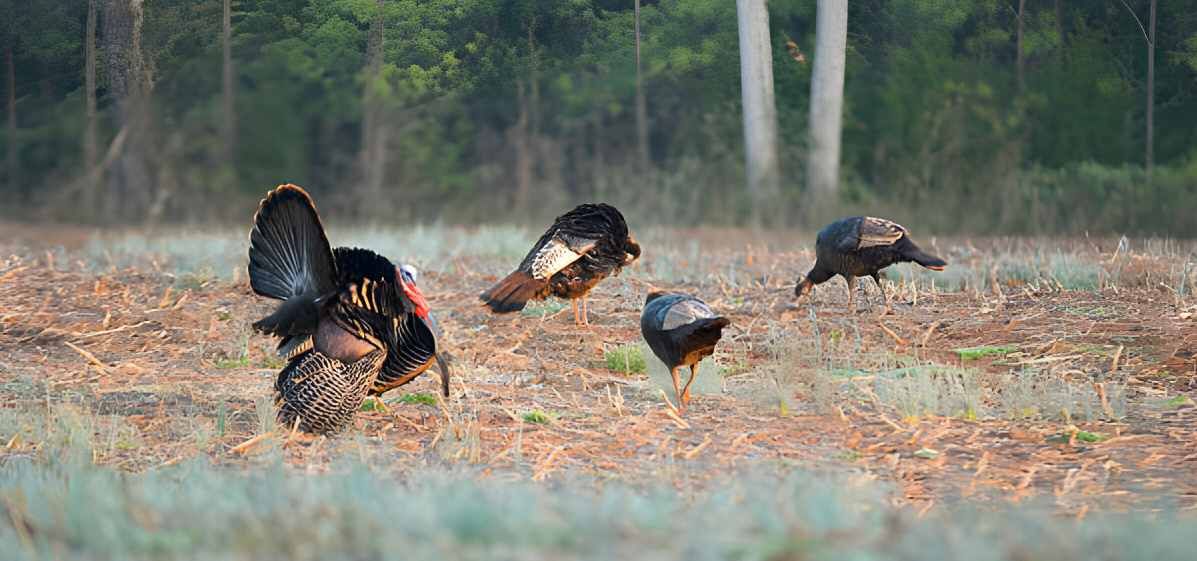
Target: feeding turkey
[861,246]
[681,330]
[581,248]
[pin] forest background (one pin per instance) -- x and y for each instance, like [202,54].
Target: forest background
[979,116]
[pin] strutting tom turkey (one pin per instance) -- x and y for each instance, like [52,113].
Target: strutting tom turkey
[861,246]
[349,321]
[681,330]
[581,248]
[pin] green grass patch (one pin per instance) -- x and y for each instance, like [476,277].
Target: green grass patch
[1177,401]
[416,399]
[1081,436]
[626,358]
[974,353]
[542,309]
[231,363]
[371,405]
[538,417]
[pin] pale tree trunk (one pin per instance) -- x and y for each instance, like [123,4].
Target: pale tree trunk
[230,117]
[1149,157]
[373,149]
[10,158]
[641,105]
[827,97]
[760,114]
[129,183]
[90,142]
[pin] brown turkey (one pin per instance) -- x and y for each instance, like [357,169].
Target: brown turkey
[581,248]
[349,319]
[681,330]
[861,246]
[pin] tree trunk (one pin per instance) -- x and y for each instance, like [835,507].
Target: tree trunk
[641,106]
[10,159]
[827,97]
[523,157]
[90,142]
[760,114]
[1018,45]
[129,183]
[1149,157]
[230,118]
[373,153]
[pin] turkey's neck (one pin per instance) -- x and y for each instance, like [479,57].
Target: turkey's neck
[819,275]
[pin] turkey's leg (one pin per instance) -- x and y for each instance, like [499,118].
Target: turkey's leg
[884,297]
[585,311]
[577,320]
[686,390]
[380,404]
[851,292]
[677,386]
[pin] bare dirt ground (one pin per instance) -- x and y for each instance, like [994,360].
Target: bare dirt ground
[167,367]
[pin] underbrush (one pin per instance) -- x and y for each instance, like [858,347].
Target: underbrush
[70,509]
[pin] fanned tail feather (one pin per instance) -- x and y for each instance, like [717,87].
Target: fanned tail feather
[289,254]
[290,260]
[512,293]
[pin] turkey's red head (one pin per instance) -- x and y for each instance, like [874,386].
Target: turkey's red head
[804,287]
[412,292]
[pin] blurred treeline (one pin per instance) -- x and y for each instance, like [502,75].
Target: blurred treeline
[398,111]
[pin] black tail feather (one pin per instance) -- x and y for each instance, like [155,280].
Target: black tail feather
[296,315]
[705,333]
[289,254]
[512,293]
[925,259]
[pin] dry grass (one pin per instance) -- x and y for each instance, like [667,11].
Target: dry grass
[161,365]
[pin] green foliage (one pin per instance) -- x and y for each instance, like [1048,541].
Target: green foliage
[628,359]
[417,399]
[974,353]
[935,117]
[538,417]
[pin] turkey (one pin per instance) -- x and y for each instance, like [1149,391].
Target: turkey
[861,246]
[349,319]
[681,330]
[581,248]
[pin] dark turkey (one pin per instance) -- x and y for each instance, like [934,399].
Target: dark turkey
[581,248]
[861,246]
[350,322]
[681,330]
